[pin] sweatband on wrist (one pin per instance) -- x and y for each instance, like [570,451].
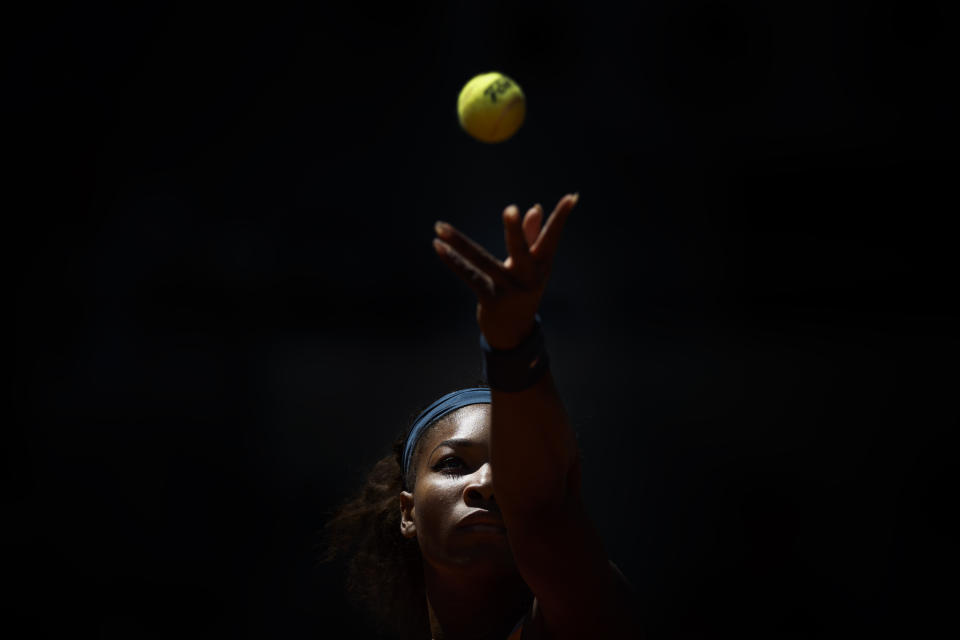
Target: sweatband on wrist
[518,368]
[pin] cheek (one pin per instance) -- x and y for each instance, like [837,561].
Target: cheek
[437,504]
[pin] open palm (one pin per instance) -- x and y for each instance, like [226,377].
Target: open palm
[509,291]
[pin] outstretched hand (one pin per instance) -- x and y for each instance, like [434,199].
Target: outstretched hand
[508,292]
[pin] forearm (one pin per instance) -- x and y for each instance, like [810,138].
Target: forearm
[534,450]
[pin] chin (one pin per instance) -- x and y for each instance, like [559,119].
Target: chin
[485,559]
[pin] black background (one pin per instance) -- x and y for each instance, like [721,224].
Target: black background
[227,305]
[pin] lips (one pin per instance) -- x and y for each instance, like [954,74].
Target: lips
[482,522]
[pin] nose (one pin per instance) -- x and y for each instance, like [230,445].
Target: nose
[478,491]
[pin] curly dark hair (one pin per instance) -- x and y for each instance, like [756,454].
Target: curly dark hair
[384,569]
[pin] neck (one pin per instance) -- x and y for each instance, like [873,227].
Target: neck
[474,607]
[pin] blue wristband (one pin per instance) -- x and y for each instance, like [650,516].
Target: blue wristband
[518,368]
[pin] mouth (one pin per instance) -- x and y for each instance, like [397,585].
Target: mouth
[482,522]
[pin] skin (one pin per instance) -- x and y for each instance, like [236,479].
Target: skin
[466,569]
[555,547]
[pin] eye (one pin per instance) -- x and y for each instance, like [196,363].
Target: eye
[450,464]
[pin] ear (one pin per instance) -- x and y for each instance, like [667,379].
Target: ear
[407,527]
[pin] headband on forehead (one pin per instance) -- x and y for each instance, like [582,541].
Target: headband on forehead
[441,407]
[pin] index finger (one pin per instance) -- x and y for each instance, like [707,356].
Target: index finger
[546,245]
[472,251]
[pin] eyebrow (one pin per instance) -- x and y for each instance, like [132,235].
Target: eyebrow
[456,442]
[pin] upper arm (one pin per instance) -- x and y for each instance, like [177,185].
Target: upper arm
[560,555]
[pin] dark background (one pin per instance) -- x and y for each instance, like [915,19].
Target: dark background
[226,304]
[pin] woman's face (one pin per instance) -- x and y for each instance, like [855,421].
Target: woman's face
[452,510]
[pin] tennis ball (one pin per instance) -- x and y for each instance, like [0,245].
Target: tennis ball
[491,107]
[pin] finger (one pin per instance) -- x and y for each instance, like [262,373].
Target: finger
[531,224]
[480,283]
[516,242]
[472,252]
[546,245]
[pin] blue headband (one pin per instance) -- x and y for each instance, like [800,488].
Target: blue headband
[441,407]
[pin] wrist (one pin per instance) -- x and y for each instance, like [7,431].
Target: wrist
[519,367]
[503,341]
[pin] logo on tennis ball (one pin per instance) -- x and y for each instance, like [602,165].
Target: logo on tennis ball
[498,88]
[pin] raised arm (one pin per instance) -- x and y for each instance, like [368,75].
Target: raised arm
[536,469]
[533,447]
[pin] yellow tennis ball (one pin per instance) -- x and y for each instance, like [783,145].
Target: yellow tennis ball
[491,107]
